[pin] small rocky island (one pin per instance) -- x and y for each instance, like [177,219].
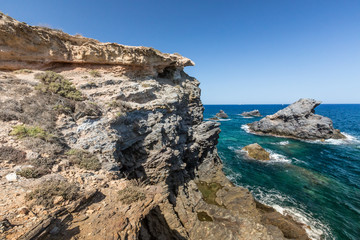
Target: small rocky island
[297,121]
[222,114]
[253,113]
[255,151]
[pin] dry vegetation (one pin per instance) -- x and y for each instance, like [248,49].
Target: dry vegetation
[84,159]
[11,154]
[45,193]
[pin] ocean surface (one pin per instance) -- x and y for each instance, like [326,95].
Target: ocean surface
[318,183]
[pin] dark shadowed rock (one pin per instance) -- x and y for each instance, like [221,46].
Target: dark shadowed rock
[297,121]
[221,114]
[255,151]
[253,113]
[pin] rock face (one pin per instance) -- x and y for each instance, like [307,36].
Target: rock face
[253,113]
[133,144]
[255,151]
[222,114]
[297,121]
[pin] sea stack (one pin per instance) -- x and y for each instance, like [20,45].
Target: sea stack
[255,151]
[253,113]
[222,114]
[299,121]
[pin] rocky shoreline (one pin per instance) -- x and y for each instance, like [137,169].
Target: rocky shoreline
[114,137]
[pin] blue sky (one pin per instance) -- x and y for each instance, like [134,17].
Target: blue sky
[246,51]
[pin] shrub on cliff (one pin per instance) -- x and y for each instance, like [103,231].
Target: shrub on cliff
[84,159]
[131,194]
[56,83]
[45,193]
[12,154]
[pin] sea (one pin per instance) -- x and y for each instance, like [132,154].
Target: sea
[315,182]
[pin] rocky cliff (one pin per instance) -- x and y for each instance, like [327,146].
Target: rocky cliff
[109,143]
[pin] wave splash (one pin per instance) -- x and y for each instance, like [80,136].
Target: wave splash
[314,228]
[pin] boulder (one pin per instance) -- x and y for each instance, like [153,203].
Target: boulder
[253,113]
[299,121]
[12,177]
[255,151]
[221,114]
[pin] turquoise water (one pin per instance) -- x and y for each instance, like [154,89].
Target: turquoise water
[318,183]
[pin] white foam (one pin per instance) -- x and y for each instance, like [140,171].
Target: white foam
[282,143]
[224,120]
[316,230]
[244,116]
[276,157]
[246,128]
[349,139]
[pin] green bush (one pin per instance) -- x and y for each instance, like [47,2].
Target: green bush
[22,131]
[84,159]
[45,193]
[56,83]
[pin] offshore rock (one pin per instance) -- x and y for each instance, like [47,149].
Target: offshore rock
[255,151]
[253,113]
[297,121]
[222,114]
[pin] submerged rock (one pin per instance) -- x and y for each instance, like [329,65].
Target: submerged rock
[222,114]
[297,121]
[255,151]
[214,118]
[253,113]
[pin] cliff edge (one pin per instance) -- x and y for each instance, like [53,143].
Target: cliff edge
[105,141]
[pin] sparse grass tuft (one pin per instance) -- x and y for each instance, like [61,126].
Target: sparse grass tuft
[84,159]
[95,73]
[204,217]
[45,193]
[22,131]
[56,83]
[131,194]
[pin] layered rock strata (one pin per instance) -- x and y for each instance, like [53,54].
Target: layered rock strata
[297,120]
[140,116]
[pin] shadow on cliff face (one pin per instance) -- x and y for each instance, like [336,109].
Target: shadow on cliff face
[155,227]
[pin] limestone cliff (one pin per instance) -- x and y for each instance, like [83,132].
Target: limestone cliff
[112,145]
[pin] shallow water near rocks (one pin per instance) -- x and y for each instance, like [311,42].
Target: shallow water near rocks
[318,183]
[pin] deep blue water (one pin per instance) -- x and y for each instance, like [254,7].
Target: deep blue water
[318,183]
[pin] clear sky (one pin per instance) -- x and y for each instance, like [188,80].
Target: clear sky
[246,51]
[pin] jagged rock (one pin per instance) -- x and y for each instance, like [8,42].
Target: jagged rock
[297,121]
[222,114]
[253,113]
[255,151]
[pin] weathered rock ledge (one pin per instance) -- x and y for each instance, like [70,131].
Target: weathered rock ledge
[299,121]
[128,151]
